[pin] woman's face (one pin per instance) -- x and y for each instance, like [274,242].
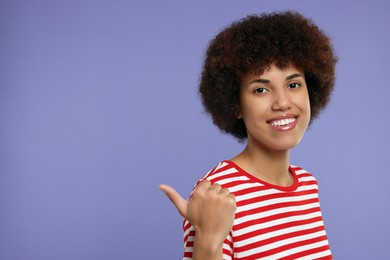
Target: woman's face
[275,107]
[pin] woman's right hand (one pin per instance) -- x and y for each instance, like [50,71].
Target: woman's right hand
[210,210]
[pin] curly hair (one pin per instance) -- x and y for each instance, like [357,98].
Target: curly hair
[251,45]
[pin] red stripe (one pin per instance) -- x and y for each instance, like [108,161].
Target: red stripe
[226,252]
[275,206]
[190,234]
[265,242]
[275,217]
[187,254]
[310,252]
[186,226]
[250,190]
[280,218]
[275,196]
[224,177]
[306,183]
[276,250]
[329,257]
[303,174]
[277,227]
[190,244]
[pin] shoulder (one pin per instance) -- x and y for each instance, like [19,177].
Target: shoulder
[303,176]
[223,169]
[224,173]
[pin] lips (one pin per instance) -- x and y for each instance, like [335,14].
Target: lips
[283,123]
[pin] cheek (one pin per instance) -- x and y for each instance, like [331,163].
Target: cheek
[254,110]
[304,101]
[306,108]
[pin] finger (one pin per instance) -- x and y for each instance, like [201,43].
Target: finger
[203,186]
[224,191]
[232,198]
[216,187]
[177,200]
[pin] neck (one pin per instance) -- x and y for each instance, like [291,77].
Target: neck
[268,165]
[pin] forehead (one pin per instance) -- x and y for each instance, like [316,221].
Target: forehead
[273,70]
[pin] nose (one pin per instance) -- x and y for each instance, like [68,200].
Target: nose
[281,101]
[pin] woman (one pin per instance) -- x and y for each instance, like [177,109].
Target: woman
[265,78]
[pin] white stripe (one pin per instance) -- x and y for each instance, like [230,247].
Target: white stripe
[187,231]
[252,206]
[300,249]
[262,193]
[227,247]
[223,173]
[205,176]
[299,172]
[243,186]
[220,165]
[276,222]
[308,178]
[279,233]
[317,255]
[188,249]
[283,243]
[190,238]
[308,187]
[228,180]
[231,174]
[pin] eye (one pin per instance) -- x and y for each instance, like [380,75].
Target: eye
[294,85]
[260,90]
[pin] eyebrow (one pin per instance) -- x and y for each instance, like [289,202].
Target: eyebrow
[266,81]
[296,75]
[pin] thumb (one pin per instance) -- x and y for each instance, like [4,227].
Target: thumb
[179,202]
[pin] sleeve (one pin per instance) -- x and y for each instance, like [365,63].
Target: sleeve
[189,237]
[189,231]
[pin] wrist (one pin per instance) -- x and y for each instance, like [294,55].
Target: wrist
[207,246]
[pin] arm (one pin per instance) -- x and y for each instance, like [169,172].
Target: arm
[211,212]
[206,247]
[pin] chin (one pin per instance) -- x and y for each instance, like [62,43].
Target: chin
[284,146]
[276,143]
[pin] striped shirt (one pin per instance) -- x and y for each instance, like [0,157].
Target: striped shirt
[271,222]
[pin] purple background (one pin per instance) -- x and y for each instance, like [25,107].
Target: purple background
[99,105]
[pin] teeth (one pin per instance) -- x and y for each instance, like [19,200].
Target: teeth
[283,122]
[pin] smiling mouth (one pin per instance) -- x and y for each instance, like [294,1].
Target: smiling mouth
[283,122]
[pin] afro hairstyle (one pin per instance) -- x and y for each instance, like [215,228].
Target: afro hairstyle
[251,45]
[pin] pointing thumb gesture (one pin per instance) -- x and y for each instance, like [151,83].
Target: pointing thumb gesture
[210,210]
[177,200]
